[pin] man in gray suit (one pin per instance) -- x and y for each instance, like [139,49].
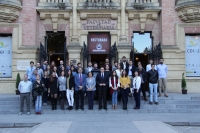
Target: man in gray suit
[89,68]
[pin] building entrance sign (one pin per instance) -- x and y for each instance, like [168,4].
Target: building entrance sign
[99,43]
[6,57]
[99,24]
[192,55]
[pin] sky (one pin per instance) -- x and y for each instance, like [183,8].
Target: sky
[141,41]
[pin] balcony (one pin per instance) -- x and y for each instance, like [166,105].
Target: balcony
[99,8]
[188,10]
[9,10]
[54,9]
[143,4]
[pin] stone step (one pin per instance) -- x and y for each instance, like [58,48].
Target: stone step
[110,111]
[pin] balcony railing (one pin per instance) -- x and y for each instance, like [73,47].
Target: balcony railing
[99,1]
[54,1]
[145,1]
[187,2]
[11,2]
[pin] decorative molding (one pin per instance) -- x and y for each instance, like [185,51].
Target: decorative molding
[54,11]
[143,16]
[189,13]
[143,11]
[9,10]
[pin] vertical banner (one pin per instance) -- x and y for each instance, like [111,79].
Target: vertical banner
[99,43]
[6,57]
[192,56]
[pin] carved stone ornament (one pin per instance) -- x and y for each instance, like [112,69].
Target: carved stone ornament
[189,11]
[143,11]
[55,11]
[9,10]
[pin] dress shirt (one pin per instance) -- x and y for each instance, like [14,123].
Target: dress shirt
[129,71]
[118,73]
[162,70]
[29,72]
[124,63]
[148,67]
[25,86]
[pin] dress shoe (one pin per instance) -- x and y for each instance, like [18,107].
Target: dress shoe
[113,107]
[76,109]
[156,103]
[145,99]
[159,95]
[105,108]
[68,108]
[136,108]
[150,103]
[100,108]
[166,95]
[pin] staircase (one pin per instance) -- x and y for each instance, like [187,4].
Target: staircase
[175,103]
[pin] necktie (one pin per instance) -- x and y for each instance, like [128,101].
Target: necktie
[102,75]
[80,79]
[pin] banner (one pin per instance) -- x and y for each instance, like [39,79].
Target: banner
[99,43]
[6,57]
[192,56]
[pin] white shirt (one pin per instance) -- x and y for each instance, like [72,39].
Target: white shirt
[124,63]
[25,87]
[136,82]
[115,86]
[148,67]
[130,72]
[118,73]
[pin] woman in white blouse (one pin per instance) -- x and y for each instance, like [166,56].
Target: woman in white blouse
[114,84]
[136,87]
[118,71]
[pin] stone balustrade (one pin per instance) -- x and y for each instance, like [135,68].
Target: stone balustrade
[54,1]
[144,1]
[99,1]
[187,2]
[11,2]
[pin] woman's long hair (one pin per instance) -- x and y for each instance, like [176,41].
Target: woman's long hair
[69,75]
[112,76]
[124,75]
[51,77]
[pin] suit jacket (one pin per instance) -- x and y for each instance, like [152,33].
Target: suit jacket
[100,80]
[122,66]
[77,82]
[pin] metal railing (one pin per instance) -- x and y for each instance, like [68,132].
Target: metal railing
[186,2]
[99,1]
[145,1]
[54,1]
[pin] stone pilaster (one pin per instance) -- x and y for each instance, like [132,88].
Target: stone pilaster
[123,37]
[74,52]
[74,37]
[124,50]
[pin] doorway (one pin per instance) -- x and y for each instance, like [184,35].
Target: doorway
[143,58]
[99,59]
[56,47]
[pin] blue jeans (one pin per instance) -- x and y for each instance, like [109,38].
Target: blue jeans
[114,97]
[38,104]
[153,92]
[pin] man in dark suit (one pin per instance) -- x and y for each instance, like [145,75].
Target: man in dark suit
[102,81]
[124,64]
[44,65]
[80,83]
[131,71]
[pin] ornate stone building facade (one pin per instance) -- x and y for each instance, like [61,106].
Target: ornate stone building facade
[79,22]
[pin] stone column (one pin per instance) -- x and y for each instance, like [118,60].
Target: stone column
[123,22]
[74,53]
[74,23]
[123,46]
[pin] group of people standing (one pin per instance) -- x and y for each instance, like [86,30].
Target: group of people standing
[73,81]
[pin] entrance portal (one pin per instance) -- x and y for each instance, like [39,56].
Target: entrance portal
[143,58]
[99,59]
[99,47]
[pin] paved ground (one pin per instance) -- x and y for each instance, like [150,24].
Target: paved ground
[188,129]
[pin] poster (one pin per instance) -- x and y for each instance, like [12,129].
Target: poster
[192,56]
[6,57]
[99,43]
